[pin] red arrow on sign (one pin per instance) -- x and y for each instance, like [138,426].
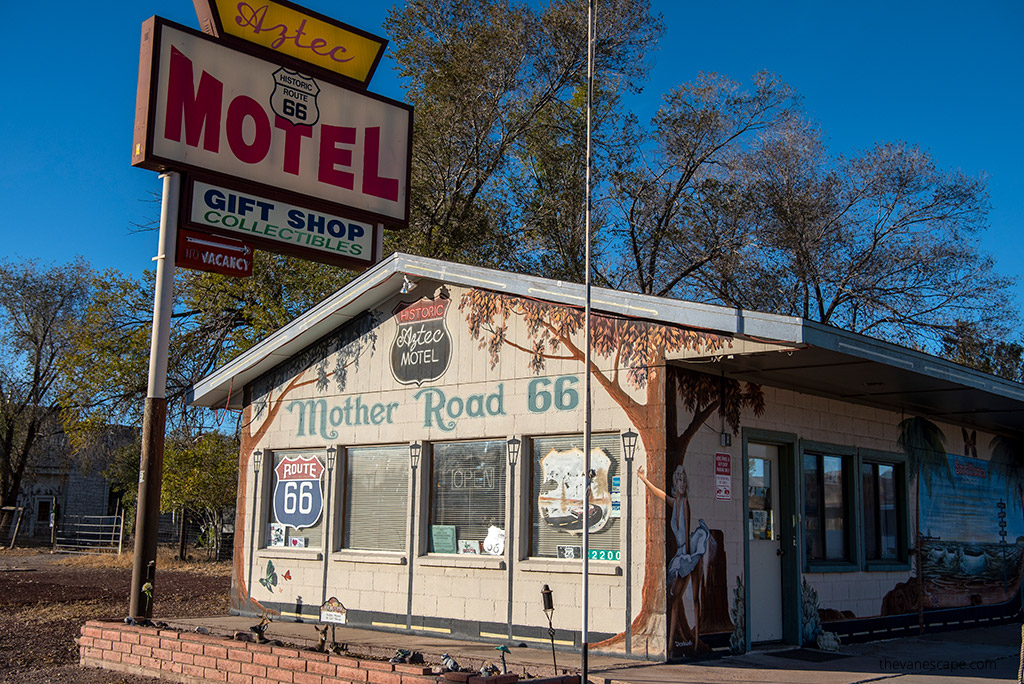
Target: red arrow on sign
[213,254]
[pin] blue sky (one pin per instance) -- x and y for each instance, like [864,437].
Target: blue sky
[940,74]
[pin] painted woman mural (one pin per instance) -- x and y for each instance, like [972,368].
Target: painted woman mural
[684,569]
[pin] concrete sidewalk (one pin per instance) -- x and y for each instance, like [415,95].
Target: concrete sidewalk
[982,654]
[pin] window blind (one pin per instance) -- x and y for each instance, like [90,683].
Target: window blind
[468,493]
[375,505]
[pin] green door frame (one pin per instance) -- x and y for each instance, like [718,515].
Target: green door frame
[789,526]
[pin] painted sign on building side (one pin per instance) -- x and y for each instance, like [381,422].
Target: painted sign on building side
[298,491]
[422,348]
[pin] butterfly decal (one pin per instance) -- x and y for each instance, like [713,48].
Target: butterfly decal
[288,575]
[270,581]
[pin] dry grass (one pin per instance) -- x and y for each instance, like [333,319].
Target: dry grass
[167,560]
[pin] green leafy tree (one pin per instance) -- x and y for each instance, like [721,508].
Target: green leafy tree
[201,477]
[496,85]
[970,345]
[215,318]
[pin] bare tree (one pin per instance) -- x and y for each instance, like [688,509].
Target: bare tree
[670,192]
[882,243]
[40,307]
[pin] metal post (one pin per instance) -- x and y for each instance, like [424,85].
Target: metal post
[257,460]
[629,556]
[155,416]
[584,632]
[512,448]
[53,524]
[120,533]
[328,516]
[414,458]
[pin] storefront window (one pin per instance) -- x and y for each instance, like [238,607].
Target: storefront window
[467,501]
[295,515]
[376,498]
[881,511]
[558,487]
[826,514]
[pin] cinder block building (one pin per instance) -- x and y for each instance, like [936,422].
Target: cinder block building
[413,447]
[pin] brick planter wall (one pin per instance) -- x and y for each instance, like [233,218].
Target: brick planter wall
[189,657]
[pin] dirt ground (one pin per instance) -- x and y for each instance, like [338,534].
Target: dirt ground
[45,599]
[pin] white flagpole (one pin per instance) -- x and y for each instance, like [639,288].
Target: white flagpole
[584,634]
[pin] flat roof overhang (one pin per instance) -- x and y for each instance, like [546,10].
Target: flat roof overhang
[779,351]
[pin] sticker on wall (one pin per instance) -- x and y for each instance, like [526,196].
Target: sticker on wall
[563,485]
[422,350]
[276,534]
[298,491]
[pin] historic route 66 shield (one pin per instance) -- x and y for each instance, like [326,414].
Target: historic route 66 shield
[422,349]
[298,492]
[562,488]
[294,97]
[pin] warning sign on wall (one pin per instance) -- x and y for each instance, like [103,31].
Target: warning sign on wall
[723,477]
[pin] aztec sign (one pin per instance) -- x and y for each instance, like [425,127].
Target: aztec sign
[296,32]
[301,163]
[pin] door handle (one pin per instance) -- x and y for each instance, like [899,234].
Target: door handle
[780,552]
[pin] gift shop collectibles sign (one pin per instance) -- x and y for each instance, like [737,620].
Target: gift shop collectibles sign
[298,492]
[422,349]
[307,139]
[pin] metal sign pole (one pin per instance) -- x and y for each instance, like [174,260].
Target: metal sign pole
[155,417]
[584,633]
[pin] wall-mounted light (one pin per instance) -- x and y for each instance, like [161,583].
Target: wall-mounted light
[629,444]
[332,453]
[513,445]
[257,458]
[414,453]
[407,285]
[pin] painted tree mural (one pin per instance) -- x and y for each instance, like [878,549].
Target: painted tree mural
[312,366]
[703,396]
[637,352]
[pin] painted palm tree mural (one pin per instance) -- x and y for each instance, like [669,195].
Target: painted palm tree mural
[961,559]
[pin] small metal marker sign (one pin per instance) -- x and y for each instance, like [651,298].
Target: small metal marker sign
[213,254]
[333,612]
